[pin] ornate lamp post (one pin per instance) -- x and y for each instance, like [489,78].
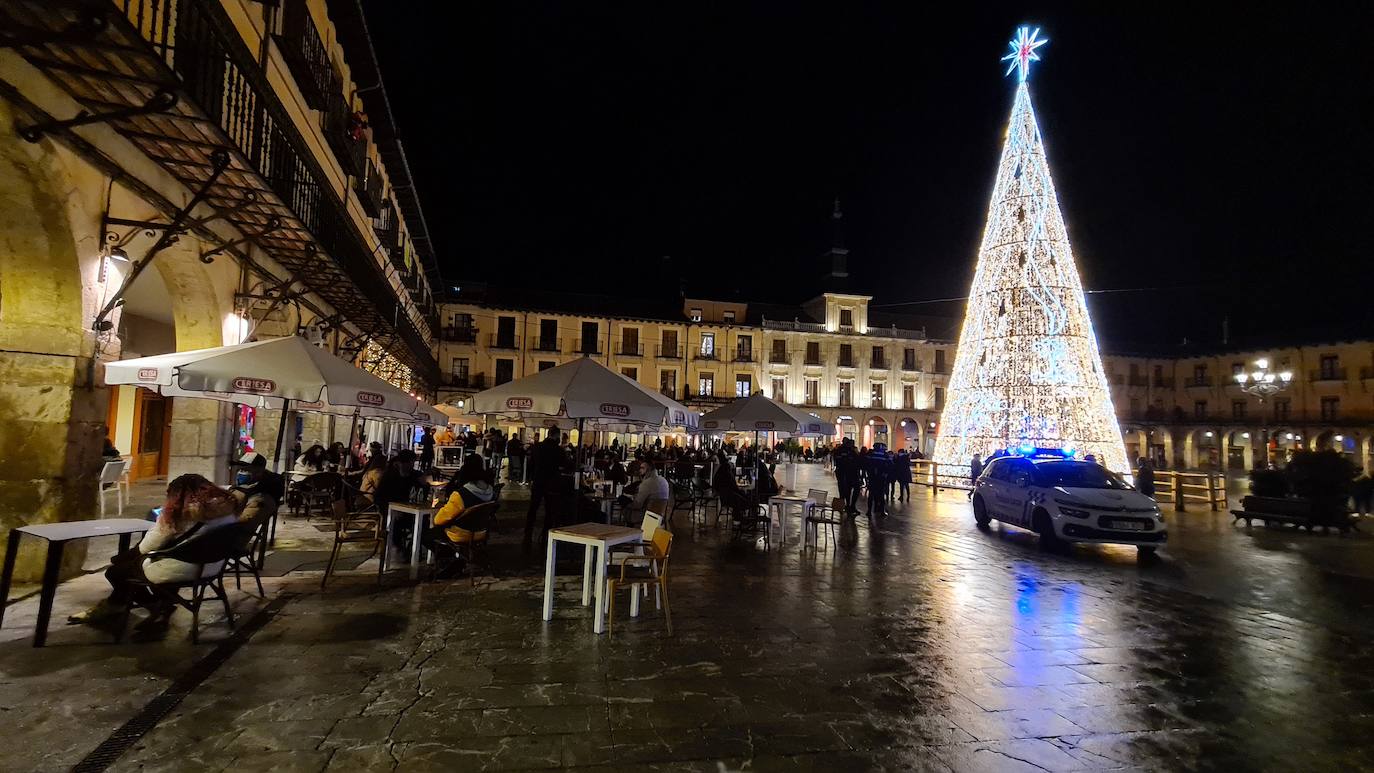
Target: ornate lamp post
[1261,383]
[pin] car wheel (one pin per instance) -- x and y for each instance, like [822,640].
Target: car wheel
[980,511]
[1045,528]
[1146,551]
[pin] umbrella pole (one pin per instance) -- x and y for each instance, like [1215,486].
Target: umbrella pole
[281,434]
[352,434]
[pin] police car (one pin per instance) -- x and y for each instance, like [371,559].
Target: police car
[1066,500]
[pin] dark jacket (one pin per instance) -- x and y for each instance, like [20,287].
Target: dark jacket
[901,468]
[546,462]
[846,464]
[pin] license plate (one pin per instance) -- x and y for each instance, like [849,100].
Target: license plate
[1126,525]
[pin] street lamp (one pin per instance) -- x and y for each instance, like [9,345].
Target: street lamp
[1261,382]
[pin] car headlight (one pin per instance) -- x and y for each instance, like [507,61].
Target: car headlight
[1074,512]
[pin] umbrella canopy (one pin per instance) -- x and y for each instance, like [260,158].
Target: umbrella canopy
[581,389]
[760,414]
[268,373]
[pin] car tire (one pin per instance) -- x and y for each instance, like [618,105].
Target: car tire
[980,512]
[1045,528]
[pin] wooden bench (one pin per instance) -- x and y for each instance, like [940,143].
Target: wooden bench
[1299,512]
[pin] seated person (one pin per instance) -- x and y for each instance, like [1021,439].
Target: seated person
[651,486]
[194,505]
[110,453]
[765,485]
[469,488]
[257,490]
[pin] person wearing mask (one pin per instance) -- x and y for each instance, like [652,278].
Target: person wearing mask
[258,490]
[847,474]
[194,506]
[469,488]
[427,448]
[547,463]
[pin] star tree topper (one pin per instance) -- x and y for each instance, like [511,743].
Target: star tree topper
[1023,51]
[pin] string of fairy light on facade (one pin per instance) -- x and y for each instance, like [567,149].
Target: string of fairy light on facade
[1027,372]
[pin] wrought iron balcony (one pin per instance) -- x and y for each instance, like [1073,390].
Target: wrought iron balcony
[779,358]
[630,350]
[465,380]
[589,346]
[542,344]
[459,334]
[369,189]
[670,352]
[878,363]
[345,137]
[703,355]
[910,366]
[306,55]
[744,355]
[502,341]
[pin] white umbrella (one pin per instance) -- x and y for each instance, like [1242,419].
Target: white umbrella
[277,373]
[760,414]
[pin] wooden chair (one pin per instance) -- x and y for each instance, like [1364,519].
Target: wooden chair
[479,520]
[649,570]
[353,526]
[112,479]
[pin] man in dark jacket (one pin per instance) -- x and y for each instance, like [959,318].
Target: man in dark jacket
[878,470]
[546,460]
[901,475]
[847,474]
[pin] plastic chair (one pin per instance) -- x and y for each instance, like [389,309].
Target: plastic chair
[110,480]
[654,573]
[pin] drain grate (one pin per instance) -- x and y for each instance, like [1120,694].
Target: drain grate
[122,739]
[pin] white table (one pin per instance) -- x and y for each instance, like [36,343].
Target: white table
[57,536]
[784,502]
[596,540]
[424,516]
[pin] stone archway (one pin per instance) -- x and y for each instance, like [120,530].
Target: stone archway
[51,422]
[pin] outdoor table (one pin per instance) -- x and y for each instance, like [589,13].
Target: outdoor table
[597,540]
[424,516]
[58,535]
[784,502]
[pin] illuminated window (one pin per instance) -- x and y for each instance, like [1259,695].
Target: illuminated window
[743,385]
[813,391]
[780,389]
[695,315]
[875,396]
[908,397]
[846,318]
[708,344]
[706,384]
[667,382]
[846,394]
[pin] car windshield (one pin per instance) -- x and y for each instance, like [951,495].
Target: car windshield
[1077,475]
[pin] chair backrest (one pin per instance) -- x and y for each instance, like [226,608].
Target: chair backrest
[321,481]
[220,543]
[663,542]
[649,526]
[112,470]
[816,495]
[476,518]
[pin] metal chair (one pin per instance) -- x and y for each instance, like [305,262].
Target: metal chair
[215,546]
[353,526]
[822,513]
[252,552]
[651,572]
[476,520]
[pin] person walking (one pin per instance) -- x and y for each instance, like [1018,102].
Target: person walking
[846,460]
[878,470]
[901,472]
[427,448]
[975,468]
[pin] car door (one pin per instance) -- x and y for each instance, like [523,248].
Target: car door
[1017,491]
[991,485]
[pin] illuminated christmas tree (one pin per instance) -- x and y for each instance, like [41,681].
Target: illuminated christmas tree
[1027,372]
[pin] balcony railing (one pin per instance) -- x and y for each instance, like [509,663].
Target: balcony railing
[846,362]
[779,358]
[703,355]
[1327,374]
[464,380]
[629,350]
[369,189]
[499,341]
[388,228]
[910,365]
[669,352]
[744,355]
[813,360]
[878,363]
[542,344]
[306,54]
[1198,382]
[459,334]
[589,346]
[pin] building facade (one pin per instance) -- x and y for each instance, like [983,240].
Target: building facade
[887,383]
[182,174]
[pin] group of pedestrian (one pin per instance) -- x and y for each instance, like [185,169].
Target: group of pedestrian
[875,472]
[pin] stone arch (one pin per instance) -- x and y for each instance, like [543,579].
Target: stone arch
[51,422]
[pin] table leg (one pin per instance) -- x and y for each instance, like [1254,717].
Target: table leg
[415,547]
[548,579]
[600,624]
[784,510]
[588,553]
[11,553]
[49,590]
[390,519]
[635,592]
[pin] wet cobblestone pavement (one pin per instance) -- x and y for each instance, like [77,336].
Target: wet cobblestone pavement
[921,643]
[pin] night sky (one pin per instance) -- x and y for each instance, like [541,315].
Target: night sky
[1221,157]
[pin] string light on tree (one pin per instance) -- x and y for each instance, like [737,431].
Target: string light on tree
[1027,372]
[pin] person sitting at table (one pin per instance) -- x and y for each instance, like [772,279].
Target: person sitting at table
[651,486]
[312,460]
[110,453]
[258,490]
[194,506]
[765,485]
[469,488]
